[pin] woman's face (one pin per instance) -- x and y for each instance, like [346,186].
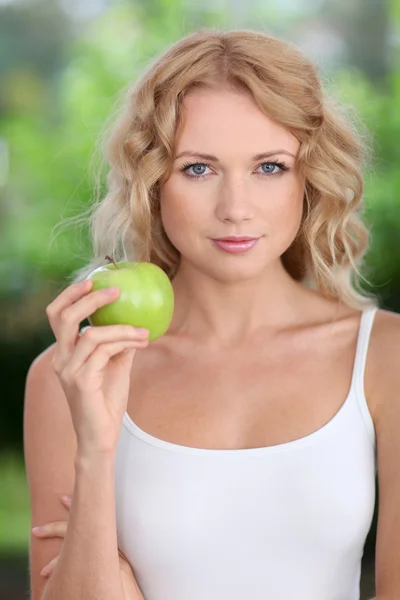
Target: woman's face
[233,193]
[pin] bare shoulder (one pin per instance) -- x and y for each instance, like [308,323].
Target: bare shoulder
[385,333]
[383,360]
[49,452]
[385,323]
[383,373]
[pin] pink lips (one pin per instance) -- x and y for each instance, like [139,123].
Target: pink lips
[235,247]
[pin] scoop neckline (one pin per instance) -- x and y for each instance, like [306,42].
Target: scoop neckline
[134,429]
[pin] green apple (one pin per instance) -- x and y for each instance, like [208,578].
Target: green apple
[146,297]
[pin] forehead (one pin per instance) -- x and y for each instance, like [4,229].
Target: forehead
[221,120]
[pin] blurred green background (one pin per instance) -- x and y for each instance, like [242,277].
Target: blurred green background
[62,65]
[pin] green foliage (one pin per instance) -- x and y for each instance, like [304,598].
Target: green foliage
[54,98]
[50,149]
[15,515]
[50,146]
[377,111]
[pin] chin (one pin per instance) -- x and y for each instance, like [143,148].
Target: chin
[232,273]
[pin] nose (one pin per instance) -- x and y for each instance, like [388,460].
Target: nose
[234,202]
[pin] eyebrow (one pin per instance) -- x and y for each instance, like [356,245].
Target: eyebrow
[215,159]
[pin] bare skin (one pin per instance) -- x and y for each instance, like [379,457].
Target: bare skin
[254,396]
[265,344]
[221,298]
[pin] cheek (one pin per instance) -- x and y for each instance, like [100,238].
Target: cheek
[284,210]
[180,213]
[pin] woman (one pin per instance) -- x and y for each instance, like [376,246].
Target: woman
[235,457]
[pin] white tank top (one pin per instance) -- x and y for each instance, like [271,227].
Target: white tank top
[285,522]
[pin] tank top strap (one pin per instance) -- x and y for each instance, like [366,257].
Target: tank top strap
[364,335]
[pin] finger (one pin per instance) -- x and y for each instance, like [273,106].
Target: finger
[108,340]
[48,569]
[55,529]
[122,555]
[67,297]
[99,359]
[66,500]
[124,563]
[67,322]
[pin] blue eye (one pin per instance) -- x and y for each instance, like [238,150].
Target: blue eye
[195,166]
[185,168]
[273,165]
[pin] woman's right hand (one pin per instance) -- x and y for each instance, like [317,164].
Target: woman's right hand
[93,367]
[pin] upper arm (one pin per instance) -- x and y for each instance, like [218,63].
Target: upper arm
[387,390]
[49,451]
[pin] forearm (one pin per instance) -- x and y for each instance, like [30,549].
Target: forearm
[88,566]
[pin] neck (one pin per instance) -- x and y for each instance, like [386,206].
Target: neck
[229,312]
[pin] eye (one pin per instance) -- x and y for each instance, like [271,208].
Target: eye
[200,175]
[281,166]
[185,168]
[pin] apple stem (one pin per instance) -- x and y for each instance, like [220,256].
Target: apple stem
[109,258]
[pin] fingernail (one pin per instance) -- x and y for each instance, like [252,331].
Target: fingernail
[112,290]
[142,331]
[36,530]
[44,571]
[66,499]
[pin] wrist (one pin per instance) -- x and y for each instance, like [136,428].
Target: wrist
[85,460]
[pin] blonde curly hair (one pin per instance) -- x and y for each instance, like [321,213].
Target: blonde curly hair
[138,145]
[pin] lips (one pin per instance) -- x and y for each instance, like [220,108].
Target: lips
[235,247]
[235,239]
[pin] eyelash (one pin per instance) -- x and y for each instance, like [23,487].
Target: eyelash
[186,166]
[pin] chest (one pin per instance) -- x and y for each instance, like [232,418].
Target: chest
[252,398]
